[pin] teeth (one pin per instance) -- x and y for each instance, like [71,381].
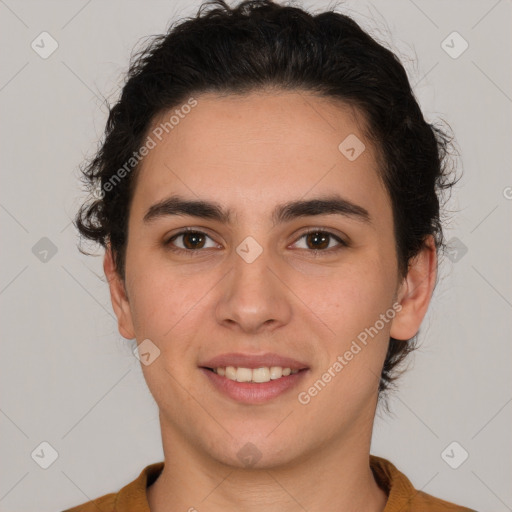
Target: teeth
[276,372]
[263,374]
[231,373]
[243,374]
[260,375]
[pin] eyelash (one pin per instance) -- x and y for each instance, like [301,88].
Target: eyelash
[193,252]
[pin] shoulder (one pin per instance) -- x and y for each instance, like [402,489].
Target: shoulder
[402,496]
[131,498]
[104,504]
[431,503]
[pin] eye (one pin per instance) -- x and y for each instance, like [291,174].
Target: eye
[191,240]
[317,239]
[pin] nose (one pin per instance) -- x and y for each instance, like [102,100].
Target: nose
[254,296]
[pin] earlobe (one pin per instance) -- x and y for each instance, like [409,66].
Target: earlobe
[415,292]
[118,296]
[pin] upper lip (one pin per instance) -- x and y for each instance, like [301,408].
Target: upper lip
[253,361]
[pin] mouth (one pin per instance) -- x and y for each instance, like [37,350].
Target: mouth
[253,379]
[256,375]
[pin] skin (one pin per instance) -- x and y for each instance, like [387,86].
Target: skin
[250,153]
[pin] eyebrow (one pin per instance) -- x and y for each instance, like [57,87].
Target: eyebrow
[333,204]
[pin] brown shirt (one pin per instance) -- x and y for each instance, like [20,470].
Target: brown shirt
[402,497]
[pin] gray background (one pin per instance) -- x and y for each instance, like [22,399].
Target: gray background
[69,378]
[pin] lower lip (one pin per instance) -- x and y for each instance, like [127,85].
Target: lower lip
[254,392]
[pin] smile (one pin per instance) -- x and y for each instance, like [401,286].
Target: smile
[256,386]
[257,375]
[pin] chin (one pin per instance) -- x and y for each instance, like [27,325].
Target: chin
[257,452]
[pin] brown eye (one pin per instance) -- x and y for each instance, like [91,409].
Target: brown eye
[190,241]
[318,240]
[193,240]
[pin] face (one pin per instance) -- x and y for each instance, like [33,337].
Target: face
[258,284]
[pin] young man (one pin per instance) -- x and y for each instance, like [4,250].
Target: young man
[269,206]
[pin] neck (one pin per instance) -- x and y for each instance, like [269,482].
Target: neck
[336,476]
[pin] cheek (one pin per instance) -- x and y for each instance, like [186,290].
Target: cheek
[353,307]
[168,305]
[354,296]
[160,304]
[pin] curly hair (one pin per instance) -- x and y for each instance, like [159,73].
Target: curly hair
[263,45]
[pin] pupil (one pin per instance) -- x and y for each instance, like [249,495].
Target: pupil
[319,236]
[196,237]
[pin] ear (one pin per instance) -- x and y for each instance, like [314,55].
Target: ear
[118,296]
[415,292]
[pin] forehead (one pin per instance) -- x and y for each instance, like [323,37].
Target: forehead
[255,150]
